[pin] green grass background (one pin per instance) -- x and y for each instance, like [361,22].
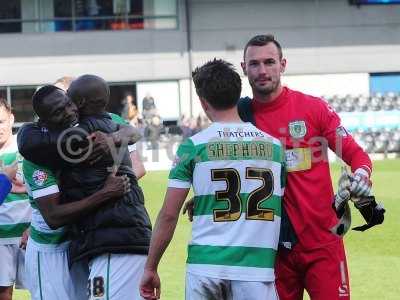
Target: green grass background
[373,256]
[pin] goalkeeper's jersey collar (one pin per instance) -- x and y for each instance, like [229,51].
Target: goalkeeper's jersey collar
[277,103]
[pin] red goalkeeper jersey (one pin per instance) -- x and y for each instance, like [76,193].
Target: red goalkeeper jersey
[307,126]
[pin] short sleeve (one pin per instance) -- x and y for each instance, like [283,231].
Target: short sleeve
[181,174]
[41,181]
[39,145]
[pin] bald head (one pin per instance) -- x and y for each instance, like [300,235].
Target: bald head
[90,93]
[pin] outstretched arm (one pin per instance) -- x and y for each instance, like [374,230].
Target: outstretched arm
[161,237]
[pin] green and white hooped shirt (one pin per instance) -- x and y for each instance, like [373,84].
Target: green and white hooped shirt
[15,212]
[41,181]
[237,174]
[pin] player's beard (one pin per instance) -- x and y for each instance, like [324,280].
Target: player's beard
[265,90]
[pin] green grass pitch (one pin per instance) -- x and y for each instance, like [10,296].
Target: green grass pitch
[373,256]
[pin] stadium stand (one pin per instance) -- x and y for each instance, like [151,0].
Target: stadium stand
[373,140]
[375,102]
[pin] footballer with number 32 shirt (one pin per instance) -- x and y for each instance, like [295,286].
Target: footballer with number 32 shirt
[236,172]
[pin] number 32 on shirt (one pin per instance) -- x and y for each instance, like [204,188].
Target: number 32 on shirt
[251,207]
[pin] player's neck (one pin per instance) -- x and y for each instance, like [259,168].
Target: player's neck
[226,116]
[269,98]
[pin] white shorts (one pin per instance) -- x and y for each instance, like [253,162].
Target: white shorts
[207,288]
[12,269]
[115,276]
[49,276]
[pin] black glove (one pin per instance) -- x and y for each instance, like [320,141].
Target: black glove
[372,212]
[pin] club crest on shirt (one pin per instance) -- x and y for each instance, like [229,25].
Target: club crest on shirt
[39,177]
[297,129]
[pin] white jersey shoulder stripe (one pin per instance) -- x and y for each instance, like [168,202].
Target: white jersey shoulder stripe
[53,189]
[176,183]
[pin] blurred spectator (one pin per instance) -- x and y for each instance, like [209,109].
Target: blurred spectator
[148,102]
[191,126]
[204,122]
[149,108]
[184,125]
[153,131]
[129,110]
[194,126]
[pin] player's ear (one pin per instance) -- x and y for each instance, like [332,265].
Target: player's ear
[12,119]
[243,65]
[283,65]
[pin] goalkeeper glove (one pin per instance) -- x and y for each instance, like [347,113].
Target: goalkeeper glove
[341,206]
[360,183]
[343,225]
[372,212]
[343,194]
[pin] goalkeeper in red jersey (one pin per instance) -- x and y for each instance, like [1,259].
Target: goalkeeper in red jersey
[307,126]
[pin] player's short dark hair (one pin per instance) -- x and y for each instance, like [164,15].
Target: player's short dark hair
[262,40]
[218,83]
[40,94]
[4,103]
